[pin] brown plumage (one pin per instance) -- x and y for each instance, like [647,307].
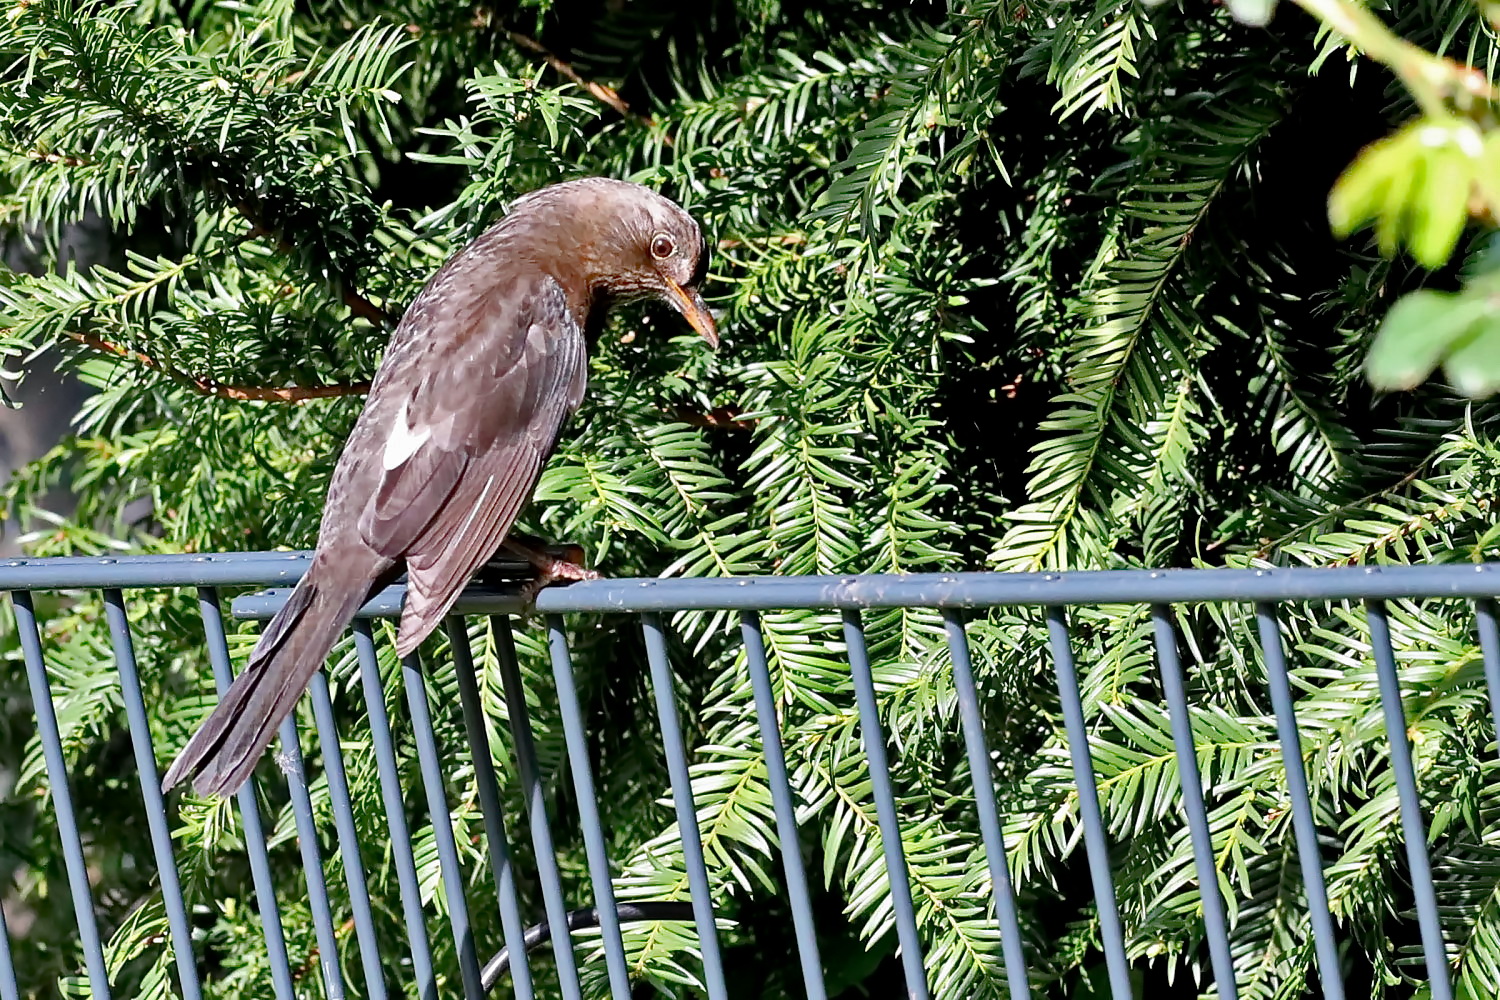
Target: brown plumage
[480,375]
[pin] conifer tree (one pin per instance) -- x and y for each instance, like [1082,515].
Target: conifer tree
[1018,286]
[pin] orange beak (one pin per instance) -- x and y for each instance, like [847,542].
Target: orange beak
[690,304]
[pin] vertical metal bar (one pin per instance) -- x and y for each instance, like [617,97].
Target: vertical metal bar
[786,812]
[442,825]
[1489,644]
[984,798]
[62,799]
[1215,925]
[1308,854]
[9,990]
[255,837]
[536,815]
[885,806]
[687,813]
[343,819]
[1070,693]
[156,811]
[1411,805]
[395,811]
[312,859]
[583,787]
[511,921]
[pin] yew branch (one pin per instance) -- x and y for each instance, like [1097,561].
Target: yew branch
[604,94]
[726,418]
[356,302]
[213,387]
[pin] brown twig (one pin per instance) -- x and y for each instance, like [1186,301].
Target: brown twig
[722,417]
[1268,546]
[602,93]
[356,302]
[727,418]
[42,156]
[1432,80]
[259,228]
[212,387]
[363,307]
[775,240]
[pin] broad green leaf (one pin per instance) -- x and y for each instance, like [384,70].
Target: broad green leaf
[1417,332]
[1361,192]
[1438,212]
[1474,364]
[1414,186]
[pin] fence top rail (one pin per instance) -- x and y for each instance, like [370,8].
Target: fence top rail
[187,569]
[767,593]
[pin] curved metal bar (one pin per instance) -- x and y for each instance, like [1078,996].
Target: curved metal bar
[395,813]
[687,813]
[989,814]
[786,810]
[536,811]
[1094,839]
[442,825]
[1489,644]
[312,859]
[62,798]
[579,920]
[1309,855]
[9,989]
[885,807]
[583,785]
[255,836]
[156,810]
[1414,829]
[343,819]
[501,865]
[1215,923]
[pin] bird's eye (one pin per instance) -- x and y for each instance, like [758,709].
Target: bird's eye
[662,246]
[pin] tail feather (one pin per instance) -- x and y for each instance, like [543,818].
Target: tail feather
[226,748]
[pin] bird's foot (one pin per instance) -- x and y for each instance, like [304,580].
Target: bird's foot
[549,568]
[558,569]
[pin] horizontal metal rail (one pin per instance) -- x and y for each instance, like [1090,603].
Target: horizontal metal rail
[770,593]
[534,906]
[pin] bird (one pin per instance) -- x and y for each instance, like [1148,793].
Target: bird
[481,373]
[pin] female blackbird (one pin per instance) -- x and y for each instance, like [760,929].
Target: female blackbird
[480,375]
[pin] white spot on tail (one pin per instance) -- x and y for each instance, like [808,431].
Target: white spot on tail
[403,442]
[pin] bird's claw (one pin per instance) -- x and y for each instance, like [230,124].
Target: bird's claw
[550,572]
[549,568]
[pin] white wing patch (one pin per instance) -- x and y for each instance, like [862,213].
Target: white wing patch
[477,506]
[403,441]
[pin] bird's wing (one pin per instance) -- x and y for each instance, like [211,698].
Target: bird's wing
[461,456]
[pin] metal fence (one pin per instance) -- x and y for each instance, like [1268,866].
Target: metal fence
[648,601]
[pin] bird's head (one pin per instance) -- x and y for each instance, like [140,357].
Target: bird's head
[637,244]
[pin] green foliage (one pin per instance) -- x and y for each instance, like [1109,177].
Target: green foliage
[1456,329]
[1041,286]
[1415,187]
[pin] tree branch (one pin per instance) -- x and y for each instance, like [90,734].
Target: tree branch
[212,387]
[720,418]
[773,240]
[356,302]
[603,94]
[726,418]
[363,307]
[43,156]
[1429,78]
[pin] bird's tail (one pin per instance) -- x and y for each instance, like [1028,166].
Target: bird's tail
[228,745]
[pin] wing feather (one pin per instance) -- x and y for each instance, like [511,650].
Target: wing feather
[486,423]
